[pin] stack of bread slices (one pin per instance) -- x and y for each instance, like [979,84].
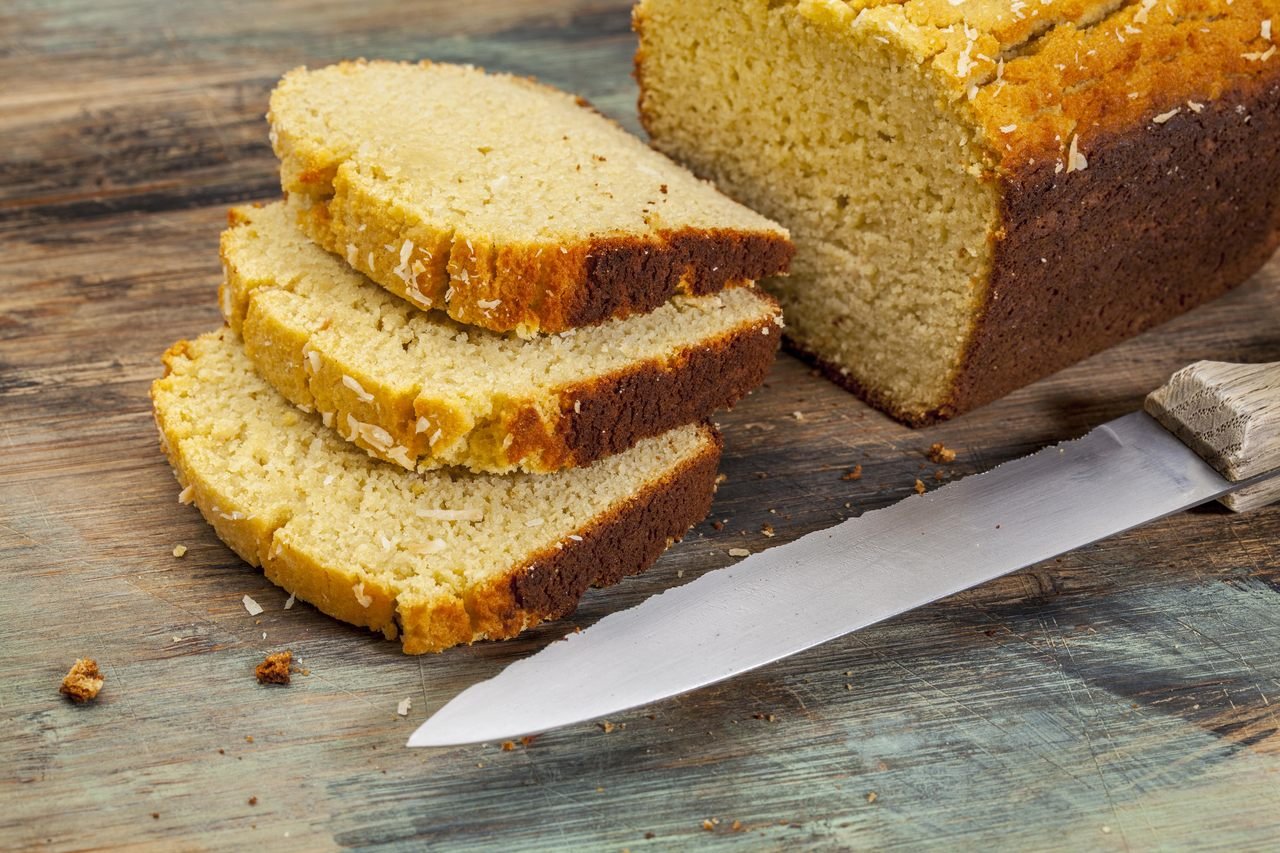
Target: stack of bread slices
[470,359]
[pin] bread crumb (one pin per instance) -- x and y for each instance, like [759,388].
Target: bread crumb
[179,550]
[855,474]
[919,487]
[508,746]
[275,668]
[709,826]
[253,801]
[768,718]
[248,738]
[739,552]
[872,796]
[940,454]
[606,726]
[767,530]
[736,826]
[798,415]
[403,707]
[252,606]
[83,681]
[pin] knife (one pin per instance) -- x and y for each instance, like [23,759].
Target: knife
[1213,431]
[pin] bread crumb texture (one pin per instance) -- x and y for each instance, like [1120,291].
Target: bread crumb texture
[435,558]
[941,454]
[949,170]
[421,390]
[505,203]
[83,681]
[275,668]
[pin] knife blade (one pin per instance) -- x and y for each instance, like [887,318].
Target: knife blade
[832,582]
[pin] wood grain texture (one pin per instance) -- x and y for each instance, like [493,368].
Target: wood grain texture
[1120,697]
[1230,415]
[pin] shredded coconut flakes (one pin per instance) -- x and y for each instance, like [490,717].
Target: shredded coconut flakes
[469,514]
[363,395]
[252,606]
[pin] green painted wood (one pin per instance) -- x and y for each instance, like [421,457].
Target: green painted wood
[1120,697]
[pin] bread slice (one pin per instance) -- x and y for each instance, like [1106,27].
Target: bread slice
[508,204]
[418,389]
[435,559]
[980,192]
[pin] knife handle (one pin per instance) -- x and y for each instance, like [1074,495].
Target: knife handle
[1229,414]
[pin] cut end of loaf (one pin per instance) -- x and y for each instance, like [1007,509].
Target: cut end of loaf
[948,172]
[872,168]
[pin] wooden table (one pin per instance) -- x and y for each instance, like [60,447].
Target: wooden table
[1123,696]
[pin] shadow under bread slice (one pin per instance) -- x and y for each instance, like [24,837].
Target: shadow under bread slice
[418,389]
[436,558]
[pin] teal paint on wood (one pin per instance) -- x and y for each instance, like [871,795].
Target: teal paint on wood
[1121,697]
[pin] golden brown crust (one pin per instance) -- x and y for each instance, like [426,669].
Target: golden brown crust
[607,415]
[510,286]
[571,425]
[621,541]
[1159,222]
[532,289]
[624,542]
[1108,79]
[1090,258]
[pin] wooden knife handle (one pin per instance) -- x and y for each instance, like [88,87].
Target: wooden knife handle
[1230,415]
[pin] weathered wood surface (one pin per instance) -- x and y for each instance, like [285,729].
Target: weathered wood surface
[1119,697]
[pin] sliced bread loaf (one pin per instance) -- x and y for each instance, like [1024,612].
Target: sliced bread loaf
[981,192]
[507,204]
[436,559]
[418,389]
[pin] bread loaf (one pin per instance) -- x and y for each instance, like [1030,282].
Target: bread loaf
[505,203]
[981,192]
[418,389]
[435,559]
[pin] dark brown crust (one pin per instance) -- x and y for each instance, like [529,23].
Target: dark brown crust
[627,543]
[1164,218]
[624,276]
[607,415]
